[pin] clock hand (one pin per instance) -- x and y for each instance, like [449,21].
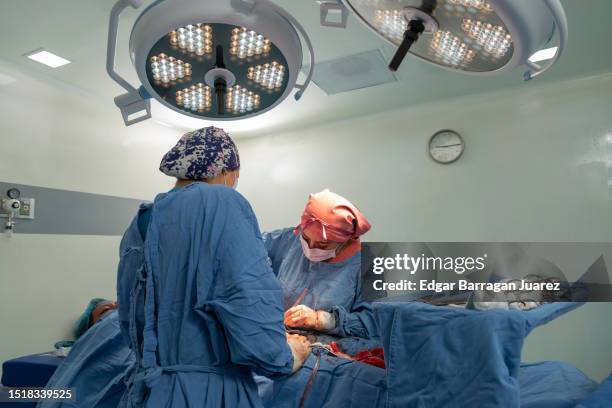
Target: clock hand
[451,145]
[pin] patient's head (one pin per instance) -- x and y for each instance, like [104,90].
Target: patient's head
[101,309]
[95,310]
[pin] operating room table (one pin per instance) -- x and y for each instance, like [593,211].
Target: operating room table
[27,371]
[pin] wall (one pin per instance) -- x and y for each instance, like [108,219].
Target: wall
[535,169]
[46,282]
[56,136]
[55,263]
[72,213]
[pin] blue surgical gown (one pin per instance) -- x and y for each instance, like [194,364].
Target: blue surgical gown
[199,303]
[95,367]
[334,287]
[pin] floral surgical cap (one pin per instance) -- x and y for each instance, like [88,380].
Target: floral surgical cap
[201,154]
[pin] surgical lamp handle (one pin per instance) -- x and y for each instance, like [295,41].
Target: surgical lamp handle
[327,6]
[132,102]
[301,87]
[562,32]
[113,26]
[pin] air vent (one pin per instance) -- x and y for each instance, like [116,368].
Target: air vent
[352,72]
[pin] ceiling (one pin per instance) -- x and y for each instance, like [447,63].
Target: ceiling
[77,30]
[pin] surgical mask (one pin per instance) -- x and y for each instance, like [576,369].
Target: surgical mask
[316,254]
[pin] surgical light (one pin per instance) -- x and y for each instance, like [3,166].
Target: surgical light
[450,49]
[241,100]
[167,69]
[193,38]
[494,39]
[197,98]
[248,43]
[269,76]
[210,59]
[477,4]
[391,24]
[471,36]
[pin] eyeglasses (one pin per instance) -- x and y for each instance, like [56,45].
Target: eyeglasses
[325,227]
[326,245]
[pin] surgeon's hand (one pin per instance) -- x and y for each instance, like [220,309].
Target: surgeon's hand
[307,318]
[300,348]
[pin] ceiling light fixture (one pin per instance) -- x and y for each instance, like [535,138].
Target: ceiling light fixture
[47,58]
[470,36]
[210,59]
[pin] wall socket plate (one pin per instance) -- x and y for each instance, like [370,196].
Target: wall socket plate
[26,211]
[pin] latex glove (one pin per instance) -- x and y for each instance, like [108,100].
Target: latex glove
[305,317]
[300,348]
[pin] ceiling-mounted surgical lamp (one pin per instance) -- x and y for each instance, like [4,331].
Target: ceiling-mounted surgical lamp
[210,59]
[471,36]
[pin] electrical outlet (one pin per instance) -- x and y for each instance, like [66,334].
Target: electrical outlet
[25,212]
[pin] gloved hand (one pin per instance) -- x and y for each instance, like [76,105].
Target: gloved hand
[300,348]
[303,316]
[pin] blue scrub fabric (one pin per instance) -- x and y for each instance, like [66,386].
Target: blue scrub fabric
[334,287]
[455,357]
[336,383]
[95,367]
[601,397]
[553,384]
[199,304]
[343,383]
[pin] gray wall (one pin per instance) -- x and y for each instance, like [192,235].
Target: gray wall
[52,265]
[72,212]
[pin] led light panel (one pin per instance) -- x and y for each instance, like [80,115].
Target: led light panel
[197,39]
[246,43]
[197,98]
[269,76]
[241,100]
[48,58]
[391,24]
[450,48]
[481,5]
[494,39]
[167,69]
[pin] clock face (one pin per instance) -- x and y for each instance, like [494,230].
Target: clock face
[446,146]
